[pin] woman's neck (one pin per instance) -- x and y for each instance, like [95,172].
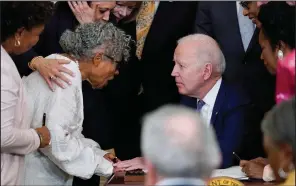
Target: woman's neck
[84,67]
[8,46]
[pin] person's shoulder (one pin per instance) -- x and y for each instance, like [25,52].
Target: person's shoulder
[72,66]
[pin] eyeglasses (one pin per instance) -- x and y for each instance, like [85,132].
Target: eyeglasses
[245,4]
[112,60]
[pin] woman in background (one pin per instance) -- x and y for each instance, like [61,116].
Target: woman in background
[122,91]
[70,153]
[19,32]
[278,128]
[277,39]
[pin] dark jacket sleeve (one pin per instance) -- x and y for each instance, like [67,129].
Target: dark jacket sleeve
[203,23]
[231,138]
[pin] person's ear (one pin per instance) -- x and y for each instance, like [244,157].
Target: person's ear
[97,59]
[208,71]
[19,33]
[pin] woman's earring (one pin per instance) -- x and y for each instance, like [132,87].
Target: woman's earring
[17,43]
[282,173]
[280,54]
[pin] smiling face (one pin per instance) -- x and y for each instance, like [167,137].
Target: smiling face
[123,9]
[251,10]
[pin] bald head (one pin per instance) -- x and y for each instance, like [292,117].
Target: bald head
[179,144]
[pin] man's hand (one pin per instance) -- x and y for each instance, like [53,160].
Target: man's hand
[252,169]
[128,165]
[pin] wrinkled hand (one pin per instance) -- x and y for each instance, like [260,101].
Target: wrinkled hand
[128,165]
[109,157]
[44,132]
[101,74]
[260,160]
[252,169]
[82,11]
[53,68]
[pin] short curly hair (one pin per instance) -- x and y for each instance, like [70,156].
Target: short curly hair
[87,37]
[278,23]
[18,14]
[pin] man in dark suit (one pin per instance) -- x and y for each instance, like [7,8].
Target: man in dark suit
[199,65]
[238,39]
[157,34]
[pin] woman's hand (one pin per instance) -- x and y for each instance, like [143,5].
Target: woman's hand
[45,135]
[128,165]
[252,169]
[82,11]
[110,157]
[50,70]
[260,160]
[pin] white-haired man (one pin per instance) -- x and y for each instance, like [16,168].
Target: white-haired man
[199,65]
[178,147]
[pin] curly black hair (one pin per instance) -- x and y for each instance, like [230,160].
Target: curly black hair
[278,23]
[27,14]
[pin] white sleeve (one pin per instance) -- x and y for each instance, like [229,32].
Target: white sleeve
[268,173]
[68,150]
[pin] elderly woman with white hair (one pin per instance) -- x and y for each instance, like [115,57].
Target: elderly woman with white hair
[278,128]
[70,154]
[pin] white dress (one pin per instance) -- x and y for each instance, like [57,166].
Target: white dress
[70,153]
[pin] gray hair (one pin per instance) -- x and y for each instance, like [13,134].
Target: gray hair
[208,51]
[179,143]
[87,38]
[279,124]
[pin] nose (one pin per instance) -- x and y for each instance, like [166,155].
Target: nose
[261,57]
[245,12]
[174,72]
[124,11]
[106,16]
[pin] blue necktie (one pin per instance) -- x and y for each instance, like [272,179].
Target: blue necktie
[200,104]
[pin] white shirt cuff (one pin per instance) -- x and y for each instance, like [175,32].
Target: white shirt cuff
[268,174]
[104,167]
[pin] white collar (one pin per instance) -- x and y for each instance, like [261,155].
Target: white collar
[180,181]
[211,96]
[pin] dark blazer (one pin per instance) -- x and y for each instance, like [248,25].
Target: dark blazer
[219,20]
[172,21]
[228,119]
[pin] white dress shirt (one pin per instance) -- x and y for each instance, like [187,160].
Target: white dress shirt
[210,99]
[70,153]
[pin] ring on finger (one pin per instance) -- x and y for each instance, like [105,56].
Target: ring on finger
[52,78]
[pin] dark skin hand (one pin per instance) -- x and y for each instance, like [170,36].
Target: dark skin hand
[252,169]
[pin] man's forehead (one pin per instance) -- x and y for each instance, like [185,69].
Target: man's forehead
[184,52]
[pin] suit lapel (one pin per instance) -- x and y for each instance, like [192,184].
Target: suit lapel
[218,103]
[253,41]
[231,10]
